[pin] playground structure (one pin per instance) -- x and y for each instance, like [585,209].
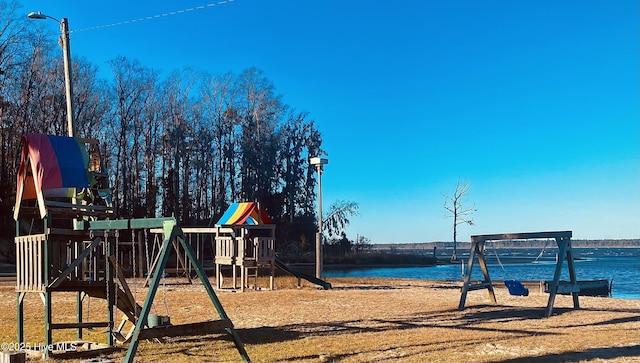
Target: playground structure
[62,184]
[565,253]
[245,239]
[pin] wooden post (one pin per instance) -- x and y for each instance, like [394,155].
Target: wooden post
[13,356]
[572,273]
[79,313]
[214,298]
[108,274]
[79,275]
[485,272]
[163,256]
[47,294]
[20,316]
[477,246]
[564,252]
[47,321]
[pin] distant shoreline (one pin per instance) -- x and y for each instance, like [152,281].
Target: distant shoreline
[611,243]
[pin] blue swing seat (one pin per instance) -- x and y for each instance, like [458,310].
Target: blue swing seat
[516,288]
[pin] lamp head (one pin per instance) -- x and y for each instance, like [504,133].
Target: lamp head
[36,15]
[318,161]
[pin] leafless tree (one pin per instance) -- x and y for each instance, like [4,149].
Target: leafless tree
[456,210]
[185,145]
[362,243]
[338,217]
[132,90]
[261,112]
[217,96]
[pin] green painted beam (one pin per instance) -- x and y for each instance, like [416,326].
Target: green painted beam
[140,223]
[119,224]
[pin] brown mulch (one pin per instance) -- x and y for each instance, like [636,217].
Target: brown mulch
[374,320]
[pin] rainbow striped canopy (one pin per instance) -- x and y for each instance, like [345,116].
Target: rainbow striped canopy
[244,213]
[51,166]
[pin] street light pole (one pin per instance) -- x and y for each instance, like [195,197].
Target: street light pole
[66,56]
[318,163]
[64,28]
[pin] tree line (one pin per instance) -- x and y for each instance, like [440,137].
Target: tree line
[184,145]
[427,247]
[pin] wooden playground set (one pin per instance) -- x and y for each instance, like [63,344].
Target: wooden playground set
[69,239]
[80,246]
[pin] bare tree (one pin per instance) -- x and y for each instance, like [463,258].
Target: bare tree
[132,90]
[217,94]
[338,217]
[362,243]
[461,215]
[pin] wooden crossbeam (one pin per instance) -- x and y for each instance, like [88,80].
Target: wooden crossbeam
[200,328]
[522,235]
[89,325]
[566,288]
[479,286]
[90,287]
[84,207]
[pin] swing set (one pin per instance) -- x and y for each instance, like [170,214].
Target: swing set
[565,253]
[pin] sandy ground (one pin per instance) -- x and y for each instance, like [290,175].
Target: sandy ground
[371,320]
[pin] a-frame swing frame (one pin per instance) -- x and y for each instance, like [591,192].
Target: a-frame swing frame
[565,253]
[173,236]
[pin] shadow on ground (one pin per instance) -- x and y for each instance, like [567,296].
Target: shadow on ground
[587,355]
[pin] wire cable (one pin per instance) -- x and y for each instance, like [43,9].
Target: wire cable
[158,16]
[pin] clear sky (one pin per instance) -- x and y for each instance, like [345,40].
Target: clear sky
[535,103]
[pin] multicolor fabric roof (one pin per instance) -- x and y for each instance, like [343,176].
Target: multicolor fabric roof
[244,213]
[51,166]
[51,162]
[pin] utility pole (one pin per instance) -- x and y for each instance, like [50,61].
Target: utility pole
[64,29]
[66,57]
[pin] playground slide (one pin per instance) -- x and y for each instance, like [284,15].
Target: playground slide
[122,302]
[312,279]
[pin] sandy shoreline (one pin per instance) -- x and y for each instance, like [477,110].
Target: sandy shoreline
[375,320]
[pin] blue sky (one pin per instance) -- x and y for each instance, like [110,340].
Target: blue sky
[535,103]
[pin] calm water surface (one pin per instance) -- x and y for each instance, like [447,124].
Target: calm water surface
[624,271]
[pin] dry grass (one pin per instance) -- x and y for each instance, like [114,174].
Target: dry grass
[370,320]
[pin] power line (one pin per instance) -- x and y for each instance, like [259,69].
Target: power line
[176,12]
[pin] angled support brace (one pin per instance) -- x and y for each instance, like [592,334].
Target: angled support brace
[172,233]
[564,253]
[75,263]
[477,251]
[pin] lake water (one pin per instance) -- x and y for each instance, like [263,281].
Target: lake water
[622,268]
